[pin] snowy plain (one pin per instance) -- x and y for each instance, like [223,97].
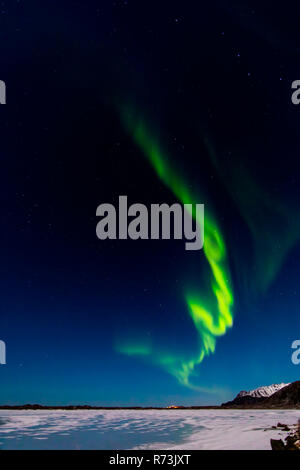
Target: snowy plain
[142,429]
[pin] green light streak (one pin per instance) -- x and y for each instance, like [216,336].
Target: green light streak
[212,316]
[134,349]
[272,221]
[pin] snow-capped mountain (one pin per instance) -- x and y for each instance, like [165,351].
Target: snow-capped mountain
[262,392]
[281,396]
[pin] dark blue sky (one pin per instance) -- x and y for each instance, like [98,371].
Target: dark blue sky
[219,74]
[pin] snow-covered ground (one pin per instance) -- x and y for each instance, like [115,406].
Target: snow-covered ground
[147,429]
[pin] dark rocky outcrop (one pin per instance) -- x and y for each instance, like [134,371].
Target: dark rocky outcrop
[277,444]
[292,441]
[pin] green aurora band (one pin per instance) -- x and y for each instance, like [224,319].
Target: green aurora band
[272,221]
[212,316]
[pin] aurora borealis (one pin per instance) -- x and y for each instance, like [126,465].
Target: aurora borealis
[174,103]
[210,319]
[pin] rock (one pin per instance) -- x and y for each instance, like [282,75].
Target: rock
[292,441]
[284,427]
[295,445]
[277,444]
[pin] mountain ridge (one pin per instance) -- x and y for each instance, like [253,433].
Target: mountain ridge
[263,391]
[287,396]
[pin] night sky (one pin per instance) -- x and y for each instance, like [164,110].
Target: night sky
[210,83]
